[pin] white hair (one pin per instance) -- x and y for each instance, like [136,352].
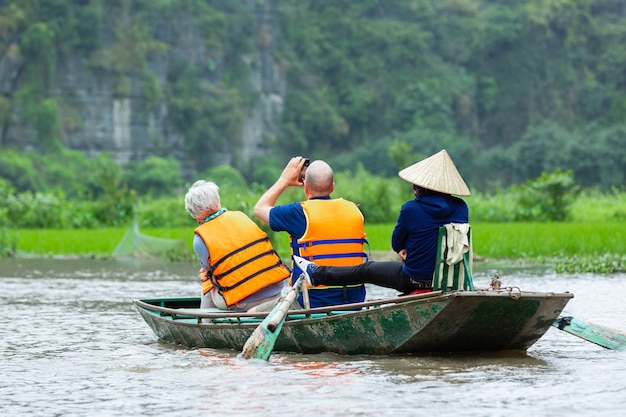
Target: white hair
[202,199]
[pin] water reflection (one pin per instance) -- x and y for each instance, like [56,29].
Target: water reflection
[446,366]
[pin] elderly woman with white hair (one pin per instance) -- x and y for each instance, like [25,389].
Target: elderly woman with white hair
[239,267]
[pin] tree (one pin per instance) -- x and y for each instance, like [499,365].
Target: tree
[154,176]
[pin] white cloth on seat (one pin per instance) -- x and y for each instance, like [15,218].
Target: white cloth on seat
[457,242]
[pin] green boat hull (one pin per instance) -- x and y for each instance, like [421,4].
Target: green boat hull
[427,323]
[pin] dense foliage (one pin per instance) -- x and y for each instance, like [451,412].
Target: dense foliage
[511,89]
[96,193]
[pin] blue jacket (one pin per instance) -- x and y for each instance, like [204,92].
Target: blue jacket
[417,230]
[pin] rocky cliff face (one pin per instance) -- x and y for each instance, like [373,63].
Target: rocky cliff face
[103,111]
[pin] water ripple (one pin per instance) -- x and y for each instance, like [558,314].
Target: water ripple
[72,344]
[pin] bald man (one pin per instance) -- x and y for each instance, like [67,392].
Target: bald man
[321,229]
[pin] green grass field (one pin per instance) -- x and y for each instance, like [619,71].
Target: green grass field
[592,240]
[66,242]
[570,247]
[490,240]
[524,240]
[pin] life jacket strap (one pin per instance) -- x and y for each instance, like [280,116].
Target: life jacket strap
[222,288]
[297,245]
[228,255]
[337,256]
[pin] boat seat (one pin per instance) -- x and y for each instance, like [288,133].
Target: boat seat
[454,263]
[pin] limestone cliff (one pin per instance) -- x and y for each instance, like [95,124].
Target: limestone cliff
[128,107]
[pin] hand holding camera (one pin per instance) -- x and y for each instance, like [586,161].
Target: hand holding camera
[302,175]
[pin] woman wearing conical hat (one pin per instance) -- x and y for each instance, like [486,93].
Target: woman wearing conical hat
[436,182]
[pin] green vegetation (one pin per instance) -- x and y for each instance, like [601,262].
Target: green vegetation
[95,243]
[546,217]
[527,96]
[570,247]
[67,190]
[591,239]
[510,89]
[533,240]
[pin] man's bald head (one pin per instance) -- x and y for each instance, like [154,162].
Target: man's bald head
[319,179]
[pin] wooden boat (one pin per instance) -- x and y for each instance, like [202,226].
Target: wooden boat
[455,317]
[436,322]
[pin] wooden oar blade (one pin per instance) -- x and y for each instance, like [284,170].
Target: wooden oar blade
[261,342]
[594,333]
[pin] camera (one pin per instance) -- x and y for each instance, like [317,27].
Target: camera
[307,161]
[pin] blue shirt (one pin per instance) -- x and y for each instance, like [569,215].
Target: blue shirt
[417,230]
[290,218]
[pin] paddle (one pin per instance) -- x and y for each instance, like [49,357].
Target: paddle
[594,333]
[261,342]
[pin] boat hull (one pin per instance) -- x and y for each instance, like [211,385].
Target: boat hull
[427,323]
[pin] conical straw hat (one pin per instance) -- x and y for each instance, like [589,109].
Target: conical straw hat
[437,173]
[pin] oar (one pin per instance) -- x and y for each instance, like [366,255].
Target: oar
[261,342]
[594,333]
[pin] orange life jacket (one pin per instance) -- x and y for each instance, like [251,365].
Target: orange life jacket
[334,234]
[241,257]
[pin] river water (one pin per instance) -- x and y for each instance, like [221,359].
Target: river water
[72,344]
